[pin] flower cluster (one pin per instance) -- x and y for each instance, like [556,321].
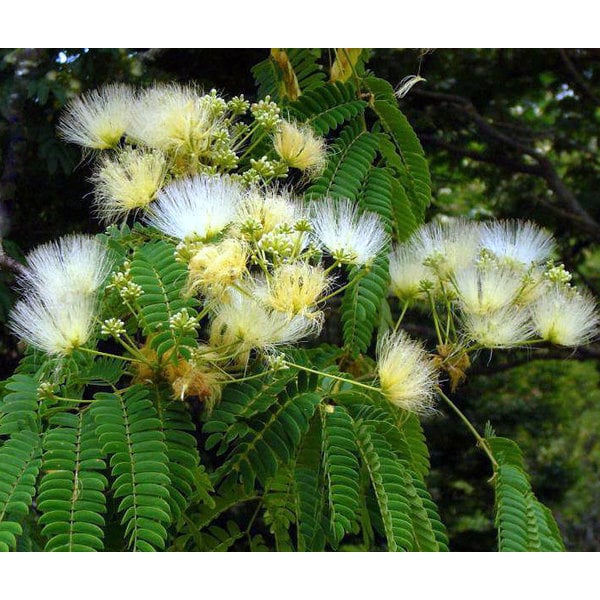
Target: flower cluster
[60,285]
[254,256]
[168,132]
[499,282]
[260,264]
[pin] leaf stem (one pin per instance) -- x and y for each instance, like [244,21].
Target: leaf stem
[481,441]
[331,376]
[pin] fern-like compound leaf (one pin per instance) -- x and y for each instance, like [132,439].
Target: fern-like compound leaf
[341,470]
[326,107]
[19,407]
[272,438]
[162,278]
[361,304]
[524,524]
[279,501]
[350,159]
[20,463]
[189,482]
[310,490]
[130,432]
[240,402]
[389,479]
[71,494]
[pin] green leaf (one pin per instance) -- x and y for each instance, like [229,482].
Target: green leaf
[341,470]
[162,279]
[129,431]
[73,521]
[20,463]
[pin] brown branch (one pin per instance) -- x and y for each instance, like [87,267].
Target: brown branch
[546,169]
[591,352]
[496,159]
[8,263]
[578,77]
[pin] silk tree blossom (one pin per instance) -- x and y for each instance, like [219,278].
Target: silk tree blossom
[295,289]
[406,375]
[264,212]
[75,265]
[98,119]
[244,324]
[517,242]
[446,246]
[299,147]
[349,236]
[195,208]
[128,182]
[503,328]
[407,271]
[486,288]
[175,118]
[214,267]
[56,328]
[565,317]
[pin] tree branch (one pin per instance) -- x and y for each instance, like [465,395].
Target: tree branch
[578,77]
[545,168]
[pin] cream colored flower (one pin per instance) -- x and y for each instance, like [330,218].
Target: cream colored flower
[127,182]
[199,207]
[565,317]
[175,118]
[56,328]
[214,267]
[295,288]
[98,119]
[407,271]
[300,148]
[349,236]
[483,289]
[517,242]
[406,375]
[244,324]
[504,328]
[446,246]
[75,265]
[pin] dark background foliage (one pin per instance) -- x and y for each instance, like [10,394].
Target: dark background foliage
[508,133]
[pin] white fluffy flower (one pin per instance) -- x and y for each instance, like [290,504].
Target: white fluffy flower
[406,375]
[407,271]
[246,324]
[446,246]
[175,117]
[503,328]
[565,317]
[486,288]
[200,207]
[350,237]
[54,327]
[127,182]
[517,242]
[75,265]
[98,119]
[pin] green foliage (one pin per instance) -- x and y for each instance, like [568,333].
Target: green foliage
[524,524]
[71,495]
[326,107]
[301,454]
[302,63]
[20,463]
[361,304]
[19,407]
[129,431]
[271,438]
[340,469]
[161,278]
